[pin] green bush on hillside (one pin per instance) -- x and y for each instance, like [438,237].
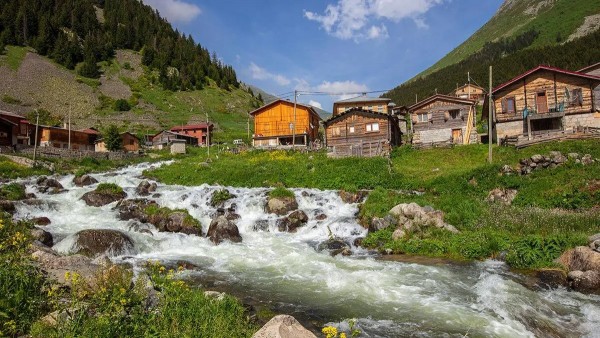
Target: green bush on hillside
[122,105]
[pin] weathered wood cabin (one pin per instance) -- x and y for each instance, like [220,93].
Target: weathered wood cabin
[165,138]
[595,71]
[376,104]
[279,124]
[14,130]
[59,138]
[199,131]
[542,101]
[360,132]
[470,91]
[442,120]
[129,142]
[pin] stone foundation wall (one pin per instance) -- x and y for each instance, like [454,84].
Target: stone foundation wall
[513,128]
[440,136]
[582,120]
[51,152]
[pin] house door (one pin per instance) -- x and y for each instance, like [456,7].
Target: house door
[542,103]
[456,135]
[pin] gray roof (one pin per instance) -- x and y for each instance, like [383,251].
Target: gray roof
[364,98]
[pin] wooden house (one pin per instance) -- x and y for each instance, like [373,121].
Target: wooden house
[60,138]
[544,100]
[165,138]
[14,130]
[199,131]
[595,71]
[359,132]
[129,142]
[376,104]
[470,91]
[442,120]
[279,124]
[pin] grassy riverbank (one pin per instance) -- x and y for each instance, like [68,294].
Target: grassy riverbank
[554,208]
[109,306]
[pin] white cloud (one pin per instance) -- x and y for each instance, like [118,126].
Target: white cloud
[351,19]
[342,89]
[260,73]
[315,104]
[175,10]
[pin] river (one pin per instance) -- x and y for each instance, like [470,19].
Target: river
[286,273]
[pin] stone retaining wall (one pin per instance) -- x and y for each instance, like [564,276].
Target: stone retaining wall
[50,152]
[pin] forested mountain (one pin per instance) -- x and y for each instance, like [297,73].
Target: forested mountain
[523,34]
[90,31]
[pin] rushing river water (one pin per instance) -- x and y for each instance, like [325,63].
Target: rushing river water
[284,271]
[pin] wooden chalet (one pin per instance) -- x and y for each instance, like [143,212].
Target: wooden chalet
[543,101]
[130,143]
[470,91]
[376,104]
[57,137]
[199,131]
[595,71]
[279,124]
[15,130]
[360,132]
[165,138]
[442,120]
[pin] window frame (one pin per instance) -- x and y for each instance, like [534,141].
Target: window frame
[420,120]
[369,127]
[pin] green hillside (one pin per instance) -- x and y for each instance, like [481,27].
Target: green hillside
[555,21]
[522,35]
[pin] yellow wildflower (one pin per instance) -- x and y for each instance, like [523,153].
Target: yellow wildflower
[330,331]
[343,335]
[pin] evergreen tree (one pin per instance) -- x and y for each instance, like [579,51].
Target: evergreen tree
[112,139]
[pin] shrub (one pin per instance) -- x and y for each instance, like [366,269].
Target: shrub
[112,138]
[109,188]
[10,100]
[220,196]
[122,105]
[12,192]
[281,192]
[535,251]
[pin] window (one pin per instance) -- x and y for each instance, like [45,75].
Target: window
[351,129]
[336,131]
[424,117]
[508,105]
[576,97]
[454,114]
[372,127]
[371,108]
[380,109]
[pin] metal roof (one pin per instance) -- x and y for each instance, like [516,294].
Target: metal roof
[539,68]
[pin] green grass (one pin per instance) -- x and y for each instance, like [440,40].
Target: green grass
[12,192]
[10,100]
[94,83]
[109,188]
[11,170]
[281,192]
[14,57]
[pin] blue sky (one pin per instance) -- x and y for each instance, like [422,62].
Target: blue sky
[333,46]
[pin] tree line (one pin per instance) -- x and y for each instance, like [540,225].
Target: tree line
[80,33]
[509,58]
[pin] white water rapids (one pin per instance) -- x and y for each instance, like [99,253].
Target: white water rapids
[284,271]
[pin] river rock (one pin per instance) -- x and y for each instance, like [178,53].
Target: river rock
[98,199]
[261,225]
[335,246]
[283,326]
[43,236]
[134,209]
[7,206]
[321,217]
[584,280]
[551,277]
[145,188]
[380,223]
[223,229]
[49,185]
[281,205]
[56,265]
[84,180]
[353,197]
[398,234]
[581,258]
[292,222]
[501,195]
[41,221]
[94,243]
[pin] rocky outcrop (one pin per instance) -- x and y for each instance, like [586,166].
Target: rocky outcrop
[501,195]
[353,197]
[56,266]
[283,326]
[94,243]
[281,205]
[101,197]
[293,221]
[222,229]
[49,185]
[84,180]
[410,217]
[145,188]
[550,161]
[583,264]
[164,219]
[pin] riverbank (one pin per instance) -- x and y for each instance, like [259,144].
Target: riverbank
[556,205]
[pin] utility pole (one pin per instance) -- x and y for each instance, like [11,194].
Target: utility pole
[37,123]
[69,126]
[248,127]
[490,138]
[207,135]
[469,82]
[294,124]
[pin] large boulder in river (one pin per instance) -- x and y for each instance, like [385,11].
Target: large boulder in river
[84,180]
[49,185]
[93,243]
[293,221]
[104,194]
[353,197]
[135,209]
[222,229]
[584,280]
[335,246]
[283,326]
[281,205]
[41,221]
[145,188]
[582,258]
[163,218]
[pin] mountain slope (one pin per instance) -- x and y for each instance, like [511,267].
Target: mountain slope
[556,21]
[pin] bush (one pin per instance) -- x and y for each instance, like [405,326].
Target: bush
[535,251]
[109,188]
[12,192]
[220,196]
[122,105]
